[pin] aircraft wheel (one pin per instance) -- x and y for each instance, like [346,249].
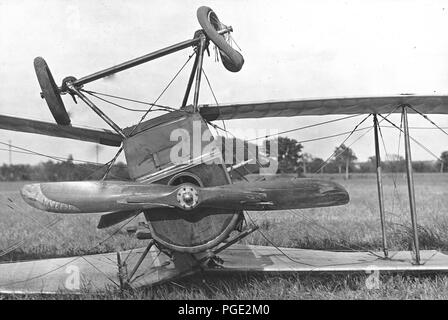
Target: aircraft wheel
[231,59]
[50,92]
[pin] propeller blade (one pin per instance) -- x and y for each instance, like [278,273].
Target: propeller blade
[92,196]
[277,194]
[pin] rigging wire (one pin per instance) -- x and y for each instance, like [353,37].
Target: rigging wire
[130,100]
[72,260]
[163,91]
[394,176]
[417,142]
[20,243]
[214,97]
[398,153]
[126,108]
[56,158]
[325,163]
[311,221]
[275,246]
[335,135]
[421,128]
[45,155]
[306,127]
[427,118]
[47,227]
[111,163]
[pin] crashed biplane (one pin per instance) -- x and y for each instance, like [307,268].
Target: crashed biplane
[193,209]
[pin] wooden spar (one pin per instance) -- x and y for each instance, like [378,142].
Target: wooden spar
[379,181]
[200,54]
[410,179]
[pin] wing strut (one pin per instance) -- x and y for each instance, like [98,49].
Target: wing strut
[379,181]
[410,179]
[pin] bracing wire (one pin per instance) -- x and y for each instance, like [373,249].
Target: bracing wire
[311,221]
[126,108]
[334,135]
[28,151]
[47,227]
[413,139]
[327,161]
[56,158]
[306,127]
[427,118]
[72,260]
[95,93]
[214,97]
[275,246]
[162,93]
[394,176]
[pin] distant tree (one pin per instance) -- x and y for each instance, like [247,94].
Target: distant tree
[344,156]
[444,163]
[288,154]
[424,166]
[315,165]
[306,159]
[395,163]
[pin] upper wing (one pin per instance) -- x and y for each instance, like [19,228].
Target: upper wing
[100,136]
[426,104]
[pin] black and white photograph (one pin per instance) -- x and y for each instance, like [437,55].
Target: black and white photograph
[241,151]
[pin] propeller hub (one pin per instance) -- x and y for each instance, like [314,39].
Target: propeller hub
[187,197]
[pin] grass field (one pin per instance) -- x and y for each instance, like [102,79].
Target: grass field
[354,226]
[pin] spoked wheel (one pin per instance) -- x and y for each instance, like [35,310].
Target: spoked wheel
[231,59]
[51,92]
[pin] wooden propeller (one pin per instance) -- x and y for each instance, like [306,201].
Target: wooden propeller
[113,196]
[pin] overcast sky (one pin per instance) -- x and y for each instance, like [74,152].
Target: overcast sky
[292,50]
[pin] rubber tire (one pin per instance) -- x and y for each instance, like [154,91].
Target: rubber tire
[50,92]
[231,59]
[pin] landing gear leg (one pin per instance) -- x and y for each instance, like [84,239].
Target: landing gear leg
[140,260]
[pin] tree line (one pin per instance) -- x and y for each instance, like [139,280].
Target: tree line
[291,159]
[61,171]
